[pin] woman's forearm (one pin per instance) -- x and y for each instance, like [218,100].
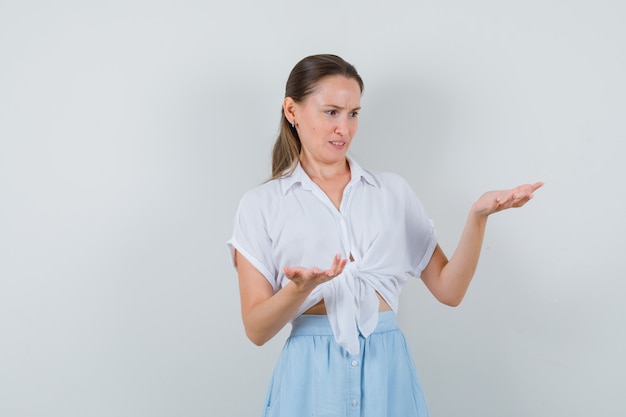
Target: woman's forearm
[457,273]
[265,313]
[449,280]
[265,319]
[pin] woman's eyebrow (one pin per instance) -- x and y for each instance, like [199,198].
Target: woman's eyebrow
[334,106]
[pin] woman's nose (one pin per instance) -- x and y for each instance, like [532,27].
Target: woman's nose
[342,126]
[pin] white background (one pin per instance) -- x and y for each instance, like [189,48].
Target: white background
[130,129]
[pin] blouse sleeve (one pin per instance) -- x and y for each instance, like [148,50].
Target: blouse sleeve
[422,238]
[251,239]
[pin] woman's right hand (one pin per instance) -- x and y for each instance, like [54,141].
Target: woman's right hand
[307,279]
[264,312]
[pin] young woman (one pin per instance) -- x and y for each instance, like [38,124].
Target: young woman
[327,245]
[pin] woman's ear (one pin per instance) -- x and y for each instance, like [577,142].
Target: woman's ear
[289,108]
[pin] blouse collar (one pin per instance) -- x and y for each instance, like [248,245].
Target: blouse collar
[299,176]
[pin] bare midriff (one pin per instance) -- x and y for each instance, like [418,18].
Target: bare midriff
[320,308]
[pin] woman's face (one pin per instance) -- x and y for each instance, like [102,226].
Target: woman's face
[326,120]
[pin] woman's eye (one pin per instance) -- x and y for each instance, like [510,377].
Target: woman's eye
[354,114]
[331,112]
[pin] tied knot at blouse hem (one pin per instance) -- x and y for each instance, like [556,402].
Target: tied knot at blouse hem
[381,223]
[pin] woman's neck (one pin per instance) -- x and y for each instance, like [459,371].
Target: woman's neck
[325,172]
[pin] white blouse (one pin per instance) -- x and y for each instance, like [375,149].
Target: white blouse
[291,222]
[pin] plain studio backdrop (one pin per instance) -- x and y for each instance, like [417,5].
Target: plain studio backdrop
[130,129]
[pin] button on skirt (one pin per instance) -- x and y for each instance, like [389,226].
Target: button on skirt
[315,377]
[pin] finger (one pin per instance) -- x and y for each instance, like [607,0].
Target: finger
[530,188]
[332,271]
[340,266]
[527,191]
[523,199]
[520,195]
[343,263]
[334,267]
[292,272]
[503,200]
[536,186]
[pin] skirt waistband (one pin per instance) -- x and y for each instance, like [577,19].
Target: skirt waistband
[318,325]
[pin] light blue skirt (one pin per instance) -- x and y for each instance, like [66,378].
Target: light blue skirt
[315,377]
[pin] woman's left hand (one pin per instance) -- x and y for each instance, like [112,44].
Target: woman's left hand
[494,201]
